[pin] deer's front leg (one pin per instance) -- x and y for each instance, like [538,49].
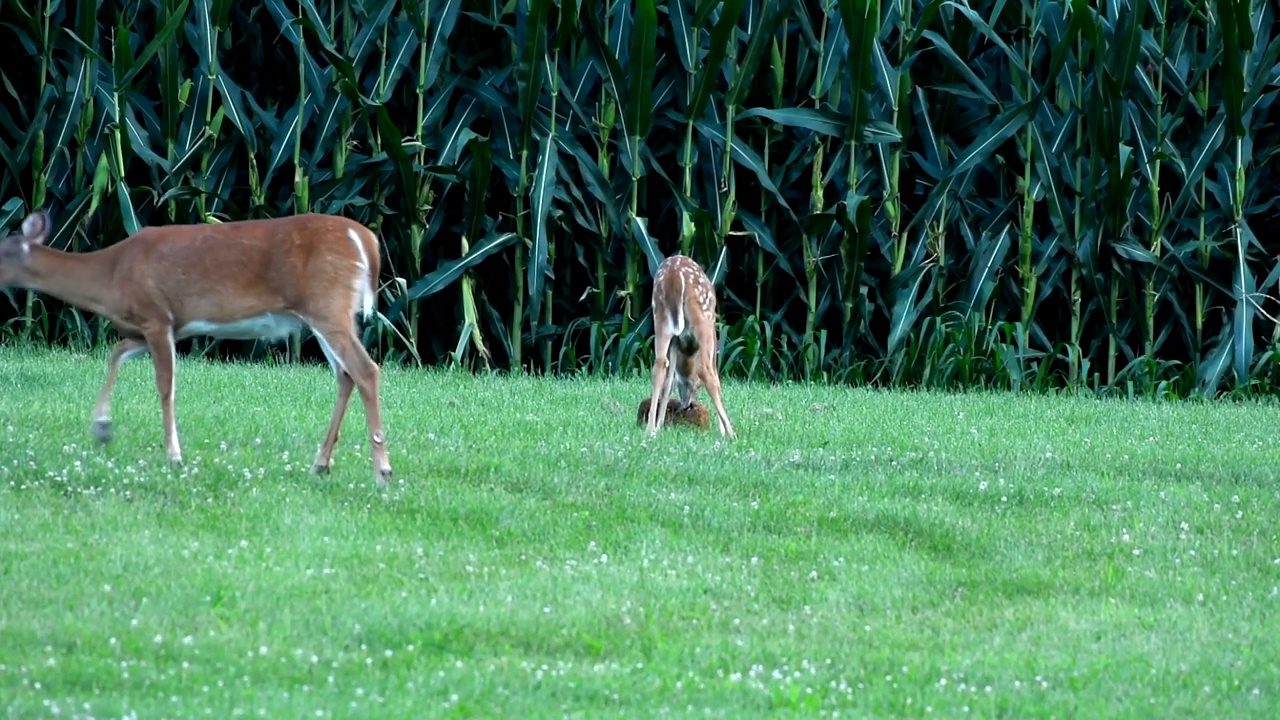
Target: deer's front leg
[123,350]
[160,342]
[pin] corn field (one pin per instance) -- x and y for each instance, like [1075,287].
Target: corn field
[1028,194]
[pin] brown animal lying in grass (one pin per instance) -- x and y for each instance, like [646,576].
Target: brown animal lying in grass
[696,415]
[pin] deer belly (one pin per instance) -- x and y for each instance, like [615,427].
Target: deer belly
[268,326]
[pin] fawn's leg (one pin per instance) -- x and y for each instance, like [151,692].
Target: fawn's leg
[661,378]
[673,370]
[710,374]
[712,381]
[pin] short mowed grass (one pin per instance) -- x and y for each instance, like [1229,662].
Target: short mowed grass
[854,553]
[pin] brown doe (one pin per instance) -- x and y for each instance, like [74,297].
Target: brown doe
[245,280]
[684,340]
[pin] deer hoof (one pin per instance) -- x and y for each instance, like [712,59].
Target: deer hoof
[320,469]
[101,429]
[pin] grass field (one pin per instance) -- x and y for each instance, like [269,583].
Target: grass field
[852,554]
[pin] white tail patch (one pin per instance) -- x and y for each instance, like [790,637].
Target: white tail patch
[363,285]
[679,328]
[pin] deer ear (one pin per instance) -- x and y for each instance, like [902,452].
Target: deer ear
[35,229]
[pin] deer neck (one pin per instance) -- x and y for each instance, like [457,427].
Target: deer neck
[79,279]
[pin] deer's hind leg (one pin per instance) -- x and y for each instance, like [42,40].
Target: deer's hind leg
[324,457]
[363,373]
[662,377]
[160,341]
[710,375]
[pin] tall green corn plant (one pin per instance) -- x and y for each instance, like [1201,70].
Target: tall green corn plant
[1019,123]
[583,119]
[1235,19]
[701,82]
[916,269]
[357,100]
[1243,77]
[126,136]
[481,169]
[1208,146]
[39,39]
[530,49]
[638,120]
[412,35]
[763,20]
[542,63]
[40,28]
[1166,86]
[824,92]
[1031,22]
[606,119]
[1082,16]
[573,71]
[783,116]
[860,20]
[1153,152]
[632,93]
[59,126]
[1110,183]
[716,123]
[200,130]
[421,31]
[1260,199]
[286,143]
[542,256]
[171,71]
[896,49]
[812,125]
[1079,205]
[896,85]
[1214,359]
[437,21]
[301,180]
[686,31]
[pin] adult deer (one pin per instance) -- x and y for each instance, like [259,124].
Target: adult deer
[684,339]
[251,279]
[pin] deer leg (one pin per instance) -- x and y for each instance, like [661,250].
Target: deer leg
[661,377]
[123,350]
[712,381]
[160,343]
[710,375]
[673,371]
[324,458]
[365,375]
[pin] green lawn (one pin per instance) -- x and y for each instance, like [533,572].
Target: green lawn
[853,554]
